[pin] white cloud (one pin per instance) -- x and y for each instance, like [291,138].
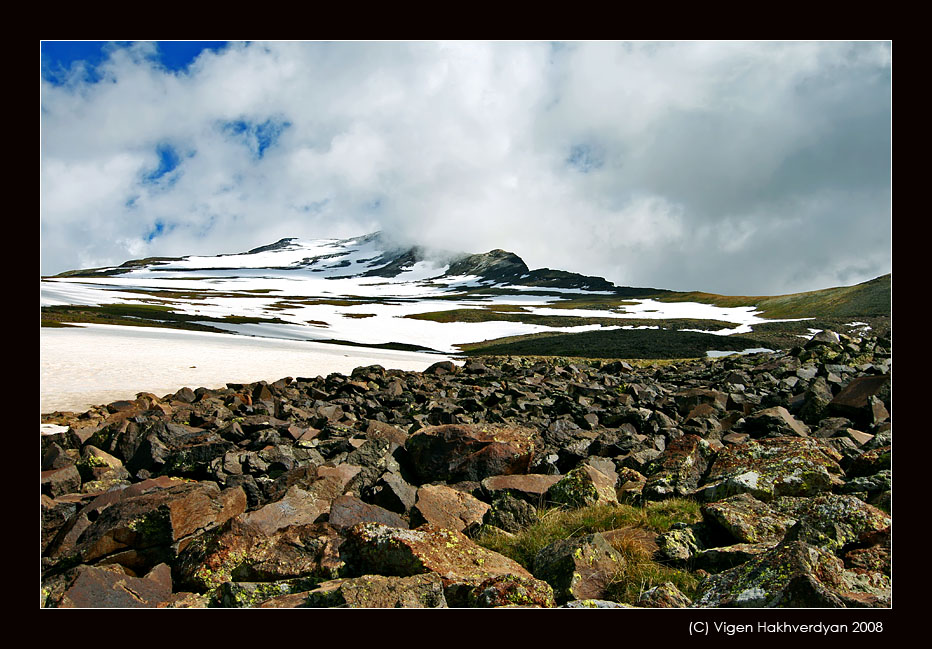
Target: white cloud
[659,164]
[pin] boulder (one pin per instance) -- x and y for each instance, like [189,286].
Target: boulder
[578,568]
[666,595]
[140,530]
[348,510]
[239,551]
[372,548]
[747,520]
[582,487]
[111,587]
[377,591]
[454,453]
[773,467]
[443,506]
[677,471]
[793,575]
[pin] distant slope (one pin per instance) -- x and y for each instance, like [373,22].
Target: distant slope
[871,298]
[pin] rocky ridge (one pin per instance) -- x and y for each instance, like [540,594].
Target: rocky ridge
[376,489]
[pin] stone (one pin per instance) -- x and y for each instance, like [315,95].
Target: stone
[582,487]
[774,422]
[510,514]
[666,595]
[832,522]
[393,493]
[58,482]
[502,591]
[443,506]
[377,591]
[531,487]
[854,401]
[371,548]
[111,587]
[453,453]
[348,510]
[677,471]
[239,551]
[793,575]
[578,568]
[772,467]
[746,519]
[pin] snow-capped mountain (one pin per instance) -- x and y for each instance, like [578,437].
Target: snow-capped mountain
[364,291]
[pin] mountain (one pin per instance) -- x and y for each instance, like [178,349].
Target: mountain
[369,291]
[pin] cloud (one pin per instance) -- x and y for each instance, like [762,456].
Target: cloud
[742,168]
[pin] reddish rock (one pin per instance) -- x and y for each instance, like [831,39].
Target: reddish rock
[377,591]
[348,510]
[449,508]
[455,453]
[579,568]
[111,587]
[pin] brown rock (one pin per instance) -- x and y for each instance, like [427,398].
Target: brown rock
[348,510]
[449,508]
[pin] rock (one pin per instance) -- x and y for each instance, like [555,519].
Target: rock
[453,453]
[238,551]
[678,470]
[773,467]
[348,510]
[139,531]
[594,603]
[718,559]
[666,595]
[774,422]
[578,568]
[746,519]
[371,548]
[250,594]
[531,487]
[377,591]
[111,587]
[855,400]
[58,482]
[510,514]
[393,493]
[583,486]
[448,508]
[793,575]
[832,522]
[503,591]
[677,546]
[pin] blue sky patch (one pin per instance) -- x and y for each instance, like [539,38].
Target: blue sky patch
[157,230]
[585,157]
[258,137]
[58,57]
[168,162]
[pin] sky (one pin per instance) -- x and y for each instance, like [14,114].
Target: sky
[732,167]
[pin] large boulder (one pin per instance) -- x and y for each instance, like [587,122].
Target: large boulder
[240,551]
[677,472]
[582,487]
[377,591]
[794,575]
[372,548]
[109,587]
[747,520]
[144,525]
[578,568]
[773,467]
[455,453]
[443,506]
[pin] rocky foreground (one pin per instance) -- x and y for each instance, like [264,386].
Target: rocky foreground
[372,490]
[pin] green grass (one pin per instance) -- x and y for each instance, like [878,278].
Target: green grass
[639,571]
[140,315]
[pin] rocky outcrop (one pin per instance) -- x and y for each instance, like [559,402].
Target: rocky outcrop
[373,489]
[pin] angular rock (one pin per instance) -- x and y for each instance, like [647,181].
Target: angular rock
[510,514]
[348,510]
[371,548]
[445,507]
[677,472]
[832,522]
[718,559]
[502,591]
[773,467]
[578,568]
[746,519]
[793,575]
[530,487]
[111,587]
[393,493]
[855,400]
[774,422]
[140,530]
[582,487]
[238,551]
[377,591]
[57,482]
[453,453]
[666,595]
